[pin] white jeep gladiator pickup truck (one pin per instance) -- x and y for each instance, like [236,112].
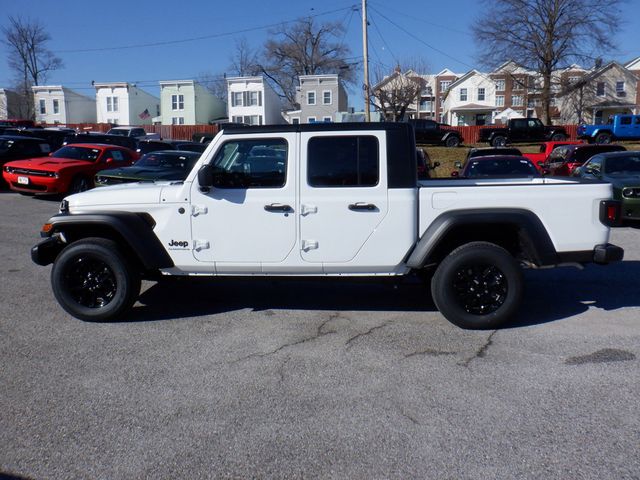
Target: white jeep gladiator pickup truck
[325,200]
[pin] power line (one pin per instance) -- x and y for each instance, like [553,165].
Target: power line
[203,37]
[375,26]
[413,17]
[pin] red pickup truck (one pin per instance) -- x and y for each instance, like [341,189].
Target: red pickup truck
[541,158]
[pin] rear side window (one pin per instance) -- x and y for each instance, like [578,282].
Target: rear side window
[346,161]
[625,120]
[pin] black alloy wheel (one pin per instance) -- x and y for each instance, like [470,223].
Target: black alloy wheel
[481,289]
[90,281]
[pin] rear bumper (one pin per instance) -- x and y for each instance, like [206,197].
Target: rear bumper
[601,254]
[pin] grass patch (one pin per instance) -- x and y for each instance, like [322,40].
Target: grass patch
[448,156]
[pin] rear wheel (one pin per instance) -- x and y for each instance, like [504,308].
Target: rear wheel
[93,281]
[603,138]
[558,137]
[478,286]
[452,141]
[499,141]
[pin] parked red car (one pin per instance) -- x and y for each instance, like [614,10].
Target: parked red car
[546,148]
[498,166]
[68,170]
[566,158]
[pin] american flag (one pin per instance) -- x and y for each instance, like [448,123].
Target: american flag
[145,114]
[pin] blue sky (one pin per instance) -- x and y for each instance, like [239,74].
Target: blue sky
[437,32]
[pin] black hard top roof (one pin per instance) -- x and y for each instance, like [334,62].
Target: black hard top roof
[317,127]
[21,137]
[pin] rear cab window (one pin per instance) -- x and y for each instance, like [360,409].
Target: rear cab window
[343,161]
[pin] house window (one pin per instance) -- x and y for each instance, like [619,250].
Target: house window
[444,84]
[236,119]
[326,97]
[461,120]
[43,107]
[295,120]
[177,102]
[56,106]
[481,94]
[343,161]
[112,104]
[326,119]
[311,98]
[425,104]
[518,84]
[311,119]
[254,99]
[236,99]
[253,119]
[573,80]
[500,85]
[499,100]
[427,92]
[620,89]
[516,101]
[600,90]
[463,94]
[177,120]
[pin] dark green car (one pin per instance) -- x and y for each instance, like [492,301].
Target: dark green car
[165,165]
[622,170]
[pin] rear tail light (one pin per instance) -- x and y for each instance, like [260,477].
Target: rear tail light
[610,213]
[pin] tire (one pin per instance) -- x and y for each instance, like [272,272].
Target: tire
[452,141]
[478,264]
[558,137]
[603,138]
[79,184]
[499,141]
[93,281]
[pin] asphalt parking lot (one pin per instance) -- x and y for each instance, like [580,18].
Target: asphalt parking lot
[264,379]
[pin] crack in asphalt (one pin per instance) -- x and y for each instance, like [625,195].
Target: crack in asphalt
[429,352]
[363,334]
[319,333]
[481,352]
[408,417]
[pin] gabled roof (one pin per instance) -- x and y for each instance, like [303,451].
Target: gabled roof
[511,67]
[446,73]
[389,78]
[633,64]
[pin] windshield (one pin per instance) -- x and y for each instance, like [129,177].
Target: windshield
[501,167]
[623,165]
[78,153]
[122,133]
[167,160]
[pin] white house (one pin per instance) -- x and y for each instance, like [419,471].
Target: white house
[122,103]
[470,100]
[57,104]
[186,102]
[253,101]
[12,105]
[320,98]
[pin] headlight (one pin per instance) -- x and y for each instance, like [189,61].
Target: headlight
[101,180]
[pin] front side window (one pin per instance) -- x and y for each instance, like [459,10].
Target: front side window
[177,102]
[258,163]
[236,99]
[311,98]
[481,94]
[326,97]
[463,94]
[349,161]
[620,88]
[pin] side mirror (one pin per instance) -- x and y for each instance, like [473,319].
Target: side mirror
[435,165]
[458,164]
[205,177]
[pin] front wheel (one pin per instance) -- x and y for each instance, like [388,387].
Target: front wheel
[499,141]
[603,138]
[452,141]
[478,286]
[93,281]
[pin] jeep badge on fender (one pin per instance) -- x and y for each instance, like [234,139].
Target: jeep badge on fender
[179,243]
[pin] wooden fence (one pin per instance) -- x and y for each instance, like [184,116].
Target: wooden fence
[185,132]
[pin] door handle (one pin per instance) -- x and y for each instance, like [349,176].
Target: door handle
[369,207]
[277,207]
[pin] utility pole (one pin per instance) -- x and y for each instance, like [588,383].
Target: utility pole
[365,56]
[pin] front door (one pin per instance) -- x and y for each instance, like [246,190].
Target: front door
[343,194]
[248,218]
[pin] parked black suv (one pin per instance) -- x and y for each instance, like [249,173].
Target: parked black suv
[128,142]
[434,133]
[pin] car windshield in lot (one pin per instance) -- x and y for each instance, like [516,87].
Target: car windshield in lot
[183,161]
[628,165]
[78,153]
[501,167]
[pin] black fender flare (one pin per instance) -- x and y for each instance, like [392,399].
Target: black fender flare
[528,224]
[134,229]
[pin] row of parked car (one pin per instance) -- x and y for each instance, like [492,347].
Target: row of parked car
[591,162]
[60,161]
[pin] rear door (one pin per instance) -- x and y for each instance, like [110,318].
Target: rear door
[343,193]
[625,127]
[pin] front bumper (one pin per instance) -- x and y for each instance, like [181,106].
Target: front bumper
[45,252]
[607,253]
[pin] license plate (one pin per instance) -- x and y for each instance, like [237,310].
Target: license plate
[23,180]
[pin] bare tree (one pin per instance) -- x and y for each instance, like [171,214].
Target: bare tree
[244,61]
[215,83]
[394,94]
[29,57]
[543,35]
[304,48]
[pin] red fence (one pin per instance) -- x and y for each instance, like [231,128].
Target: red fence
[471,134]
[185,132]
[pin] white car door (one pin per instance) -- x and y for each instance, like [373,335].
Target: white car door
[343,193]
[248,218]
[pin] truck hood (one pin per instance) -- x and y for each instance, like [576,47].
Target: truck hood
[120,195]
